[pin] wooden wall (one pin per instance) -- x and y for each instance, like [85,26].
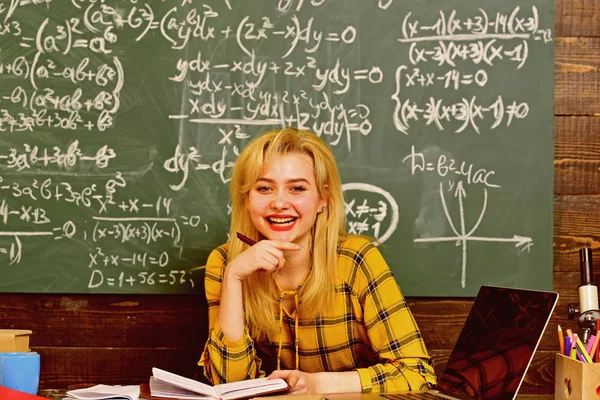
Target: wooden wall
[116,339]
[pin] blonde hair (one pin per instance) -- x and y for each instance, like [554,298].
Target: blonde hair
[258,289]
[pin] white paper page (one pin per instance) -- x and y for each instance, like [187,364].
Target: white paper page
[184,383]
[100,392]
[248,387]
[163,389]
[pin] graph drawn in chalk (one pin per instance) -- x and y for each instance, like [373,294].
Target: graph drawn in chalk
[462,236]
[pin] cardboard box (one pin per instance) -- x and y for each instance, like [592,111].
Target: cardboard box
[575,380]
[14,340]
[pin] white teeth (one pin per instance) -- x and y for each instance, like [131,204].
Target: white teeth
[281,221]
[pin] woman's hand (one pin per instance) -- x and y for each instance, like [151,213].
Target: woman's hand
[300,382]
[266,255]
[320,382]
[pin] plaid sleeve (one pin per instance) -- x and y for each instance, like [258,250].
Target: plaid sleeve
[404,363]
[224,360]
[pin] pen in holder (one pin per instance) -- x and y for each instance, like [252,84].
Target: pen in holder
[587,311]
[574,380]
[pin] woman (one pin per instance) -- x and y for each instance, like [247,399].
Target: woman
[320,302]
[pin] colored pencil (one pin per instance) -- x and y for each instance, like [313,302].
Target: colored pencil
[567,347]
[590,343]
[581,349]
[561,340]
[593,353]
[570,333]
[574,347]
[598,345]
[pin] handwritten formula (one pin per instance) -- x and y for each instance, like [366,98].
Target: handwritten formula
[121,120]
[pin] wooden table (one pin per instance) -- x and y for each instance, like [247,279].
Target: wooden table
[58,394]
[54,394]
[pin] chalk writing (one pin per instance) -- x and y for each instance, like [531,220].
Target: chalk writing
[121,121]
[462,236]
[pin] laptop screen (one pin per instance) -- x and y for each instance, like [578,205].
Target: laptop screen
[497,342]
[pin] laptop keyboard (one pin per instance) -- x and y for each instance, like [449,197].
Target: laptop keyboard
[414,395]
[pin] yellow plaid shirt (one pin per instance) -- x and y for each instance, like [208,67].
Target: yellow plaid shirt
[369,329]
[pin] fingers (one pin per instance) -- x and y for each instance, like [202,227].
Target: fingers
[294,379]
[276,248]
[269,262]
[280,373]
[281,245]
[266,255]
[276,257]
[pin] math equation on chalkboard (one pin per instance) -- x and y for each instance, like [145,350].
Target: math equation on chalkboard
[120,122]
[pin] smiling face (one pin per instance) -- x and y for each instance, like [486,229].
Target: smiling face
[284,202]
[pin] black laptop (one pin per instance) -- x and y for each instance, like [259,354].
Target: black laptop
[494,349]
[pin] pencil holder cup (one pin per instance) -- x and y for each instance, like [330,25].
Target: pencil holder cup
[20,371]
[574,380]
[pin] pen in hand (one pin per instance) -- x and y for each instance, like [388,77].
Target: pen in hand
[249,241]
[246,239]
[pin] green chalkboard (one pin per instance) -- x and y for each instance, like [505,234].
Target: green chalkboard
[120,122]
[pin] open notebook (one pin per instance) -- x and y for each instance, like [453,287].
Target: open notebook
[494,348]
[164,384]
